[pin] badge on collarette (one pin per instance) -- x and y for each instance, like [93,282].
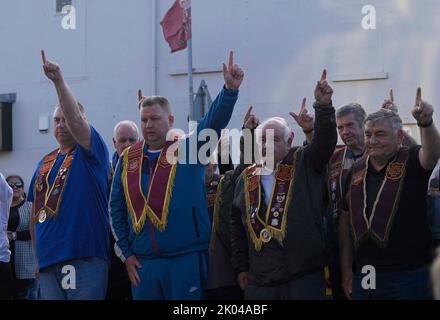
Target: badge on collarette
[42,216]
[265,235]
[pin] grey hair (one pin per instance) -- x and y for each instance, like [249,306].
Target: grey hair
[355,109]
[384,114]
[280,122]
[126,123]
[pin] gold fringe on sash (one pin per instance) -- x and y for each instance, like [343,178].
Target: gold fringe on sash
[161,224]
[216,215]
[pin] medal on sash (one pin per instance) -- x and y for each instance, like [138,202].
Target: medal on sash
[42,216]
[265,235]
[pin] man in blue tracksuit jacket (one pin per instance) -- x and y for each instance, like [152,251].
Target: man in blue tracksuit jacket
[158,209]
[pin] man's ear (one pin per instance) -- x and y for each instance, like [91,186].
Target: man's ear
[401,135]
[171,120]
[114,142]
[290,139]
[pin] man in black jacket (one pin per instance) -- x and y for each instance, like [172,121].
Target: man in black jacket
[277,234]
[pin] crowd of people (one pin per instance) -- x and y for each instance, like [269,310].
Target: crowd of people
[305,225]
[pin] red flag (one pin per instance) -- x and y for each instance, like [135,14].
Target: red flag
[176,25]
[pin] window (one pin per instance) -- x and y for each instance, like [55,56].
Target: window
[61,4]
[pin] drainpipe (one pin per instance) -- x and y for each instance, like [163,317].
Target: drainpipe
[154,48]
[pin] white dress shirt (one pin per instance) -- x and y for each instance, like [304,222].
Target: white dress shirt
[5,205]
[267,182]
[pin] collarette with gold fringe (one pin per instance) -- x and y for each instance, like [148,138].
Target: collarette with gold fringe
[48,199]
[215,201]
[155,205]
[378,225]
[274,223]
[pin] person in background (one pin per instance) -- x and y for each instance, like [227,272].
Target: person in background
[5,254]
[126,134]
[23,261]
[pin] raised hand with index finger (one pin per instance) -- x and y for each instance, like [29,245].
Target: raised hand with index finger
[232,74]
[389,103]
[250,120]
[422,111]
[323,91]
[303,118]
[140,95]
[51,69]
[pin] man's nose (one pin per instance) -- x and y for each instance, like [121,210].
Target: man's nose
[373,139]
[345,131]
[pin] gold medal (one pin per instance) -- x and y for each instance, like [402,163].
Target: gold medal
[265,235]
[42,216]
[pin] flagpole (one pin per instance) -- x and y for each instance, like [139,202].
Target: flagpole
[190,81]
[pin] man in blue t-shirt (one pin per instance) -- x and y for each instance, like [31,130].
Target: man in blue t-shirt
[69,191]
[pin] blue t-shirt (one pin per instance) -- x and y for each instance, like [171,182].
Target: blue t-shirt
[81,227]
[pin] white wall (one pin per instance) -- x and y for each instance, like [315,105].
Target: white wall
[282,45]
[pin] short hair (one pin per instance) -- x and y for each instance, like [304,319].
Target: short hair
[153,100]
[80,107]
[281,122]
[128,123]
[354,109]
[385,114]
[15,176]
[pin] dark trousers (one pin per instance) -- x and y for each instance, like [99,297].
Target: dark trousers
[403,285]
[5,281]
[307,287]
[119,285]
[225,293]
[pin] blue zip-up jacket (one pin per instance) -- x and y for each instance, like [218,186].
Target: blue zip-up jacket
[188,228]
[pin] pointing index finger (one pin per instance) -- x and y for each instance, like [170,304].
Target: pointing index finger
[231,59]
[419,96]
[140,96]
[43,56]
[391,95]
[248,113]
[324,75]
[303,104]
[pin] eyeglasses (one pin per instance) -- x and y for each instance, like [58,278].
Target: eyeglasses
[16,185]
